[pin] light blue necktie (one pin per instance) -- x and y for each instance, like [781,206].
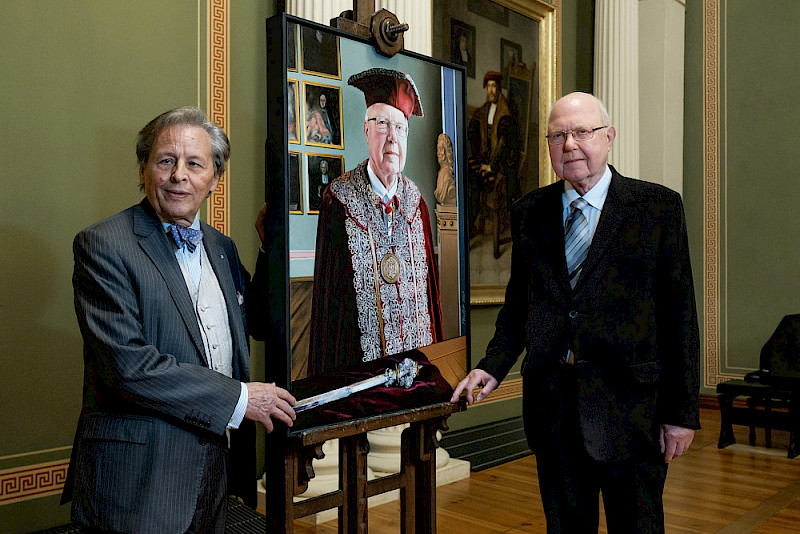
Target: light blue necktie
[576,239]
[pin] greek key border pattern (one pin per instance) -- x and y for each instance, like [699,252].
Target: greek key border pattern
[218,102]
[711,208]
[32,481]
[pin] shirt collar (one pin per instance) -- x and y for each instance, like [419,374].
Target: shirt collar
[195,224]
[595,197]
[377,186]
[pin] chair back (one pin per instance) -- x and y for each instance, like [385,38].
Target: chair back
[782,351]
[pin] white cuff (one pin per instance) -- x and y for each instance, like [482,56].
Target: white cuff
[241,408]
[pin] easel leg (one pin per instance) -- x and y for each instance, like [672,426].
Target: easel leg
[426,481]
[353,480]
[408,491]
[418,494]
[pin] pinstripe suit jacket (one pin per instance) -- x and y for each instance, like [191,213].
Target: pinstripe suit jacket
[151,405]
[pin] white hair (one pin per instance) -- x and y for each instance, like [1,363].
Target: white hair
[601,108]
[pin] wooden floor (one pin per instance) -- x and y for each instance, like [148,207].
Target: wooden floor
[734,490]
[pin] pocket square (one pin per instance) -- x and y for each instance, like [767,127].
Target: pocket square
[239,298]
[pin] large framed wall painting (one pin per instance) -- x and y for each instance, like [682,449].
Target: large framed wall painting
[513,65]
[328,262]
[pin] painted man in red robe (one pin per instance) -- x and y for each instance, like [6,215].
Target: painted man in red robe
[376,287]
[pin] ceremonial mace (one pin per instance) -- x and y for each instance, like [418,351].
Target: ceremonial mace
[401,376]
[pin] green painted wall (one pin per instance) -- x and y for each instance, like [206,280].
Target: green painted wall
[762,253]
[693,182]
[79,80]
[758,109]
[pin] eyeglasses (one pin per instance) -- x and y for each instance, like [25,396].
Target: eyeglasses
[580,134]
[382,124]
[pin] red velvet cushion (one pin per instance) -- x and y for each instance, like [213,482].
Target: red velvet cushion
[428,388]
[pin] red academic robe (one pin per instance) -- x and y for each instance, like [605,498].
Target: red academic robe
[338,334]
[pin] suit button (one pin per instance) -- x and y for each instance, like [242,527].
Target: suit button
[573,314]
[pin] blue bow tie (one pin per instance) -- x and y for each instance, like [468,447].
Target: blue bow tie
[188,237]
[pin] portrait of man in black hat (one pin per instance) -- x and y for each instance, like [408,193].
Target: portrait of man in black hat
[493,137]
[375,274]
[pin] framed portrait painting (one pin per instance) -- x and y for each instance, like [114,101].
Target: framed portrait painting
[320,52]
[514,84]
[291,47]
[510,54]
[293,130]
[313,250]
[295,186]
[322,112]
[462,45]
[322,170]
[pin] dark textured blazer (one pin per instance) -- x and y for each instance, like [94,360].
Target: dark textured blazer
[631,321]
[151,405]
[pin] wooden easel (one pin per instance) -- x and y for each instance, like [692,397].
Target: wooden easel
[382,27]
[416,479]
[289,455]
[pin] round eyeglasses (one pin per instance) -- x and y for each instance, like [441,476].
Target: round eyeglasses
[580,134]
[382,124]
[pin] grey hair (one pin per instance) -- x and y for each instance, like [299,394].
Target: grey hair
[601,108]
[186,115]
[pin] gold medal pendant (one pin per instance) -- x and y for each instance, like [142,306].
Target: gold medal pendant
[390,268]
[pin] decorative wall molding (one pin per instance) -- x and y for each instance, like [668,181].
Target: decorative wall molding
[218,214]
[32,481]
[711,208]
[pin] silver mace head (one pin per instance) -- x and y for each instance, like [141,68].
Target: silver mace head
[403,374]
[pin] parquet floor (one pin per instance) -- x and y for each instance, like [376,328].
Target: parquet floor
[739,490]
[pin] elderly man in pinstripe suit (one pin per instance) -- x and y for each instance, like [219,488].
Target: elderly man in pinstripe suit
[163,304]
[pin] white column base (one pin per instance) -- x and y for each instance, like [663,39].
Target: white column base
[384,450]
